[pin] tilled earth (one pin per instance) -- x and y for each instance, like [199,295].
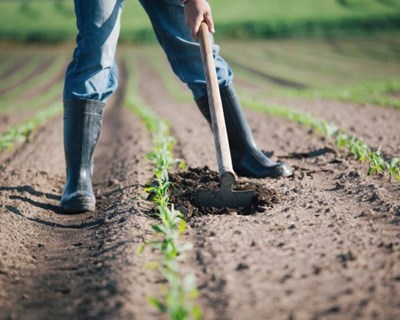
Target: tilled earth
[323,244]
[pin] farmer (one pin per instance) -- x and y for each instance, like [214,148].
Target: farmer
[92,77]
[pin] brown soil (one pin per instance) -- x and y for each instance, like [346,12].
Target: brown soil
[378,126]
[325,244]
[57,266]
[16,67]
[41,66]
[12,118]
[328,249]
[186,184]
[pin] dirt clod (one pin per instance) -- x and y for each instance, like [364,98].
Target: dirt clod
[186,184]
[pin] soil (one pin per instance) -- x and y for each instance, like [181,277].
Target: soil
[41,66]
[377,126]
[12,118]
[186,184]
[322,244]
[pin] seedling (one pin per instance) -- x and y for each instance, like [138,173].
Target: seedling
[181,290]
[23,131]
[376,162]
[355,146]
[393,168]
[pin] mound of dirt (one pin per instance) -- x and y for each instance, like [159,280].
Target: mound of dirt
[187,183]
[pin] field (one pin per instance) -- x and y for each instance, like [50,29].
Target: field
[324,245]
[319,82]
[53,21]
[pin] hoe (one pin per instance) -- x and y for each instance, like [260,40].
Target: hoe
[225,197]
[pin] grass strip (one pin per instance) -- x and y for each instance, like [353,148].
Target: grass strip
[23,131]
[176,301]
[355,146]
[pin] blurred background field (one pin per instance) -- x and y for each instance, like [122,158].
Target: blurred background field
[347,50]
[54,21]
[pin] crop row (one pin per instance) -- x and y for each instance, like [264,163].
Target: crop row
[14,78]
[176,300]
[23,131]
[322,69]
[35,85]
[44,75]
[355,146]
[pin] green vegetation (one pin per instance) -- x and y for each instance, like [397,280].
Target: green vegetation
[355,146]
[359,70]
[23,131]
[56,65]
[378,93]
[176,300]
[54,21]
[16,77]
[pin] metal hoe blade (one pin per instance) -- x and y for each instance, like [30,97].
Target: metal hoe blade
[225,197]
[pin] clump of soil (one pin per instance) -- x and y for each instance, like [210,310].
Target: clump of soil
[186,184]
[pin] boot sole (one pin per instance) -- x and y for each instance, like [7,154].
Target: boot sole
[282,170]
[78,205]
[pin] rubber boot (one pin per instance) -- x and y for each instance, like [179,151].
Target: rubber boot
[247,159]
[82,125]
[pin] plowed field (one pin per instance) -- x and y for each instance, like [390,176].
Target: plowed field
[329,248]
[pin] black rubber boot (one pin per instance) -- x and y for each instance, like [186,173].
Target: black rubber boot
[247,159]
[82,124]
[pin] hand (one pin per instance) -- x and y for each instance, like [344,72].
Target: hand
[197,11]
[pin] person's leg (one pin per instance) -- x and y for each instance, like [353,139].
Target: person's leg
[183,52]
[90,79]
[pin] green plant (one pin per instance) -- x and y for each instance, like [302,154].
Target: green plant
[177,297]
[53,21]
[181,290]
[45,73]
[359,149]
[22,131]
[393,168]
[376,163]
[355,146]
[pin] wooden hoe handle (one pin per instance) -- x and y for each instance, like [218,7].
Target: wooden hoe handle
[224,159]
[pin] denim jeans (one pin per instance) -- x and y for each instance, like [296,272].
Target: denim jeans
[93,72]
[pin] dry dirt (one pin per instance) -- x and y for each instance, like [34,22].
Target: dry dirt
[325,246]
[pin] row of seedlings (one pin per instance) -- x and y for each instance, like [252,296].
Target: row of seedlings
[22,131]
[45,104]
[355,146]
[177,298]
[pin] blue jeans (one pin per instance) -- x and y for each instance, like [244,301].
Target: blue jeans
[93,72]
